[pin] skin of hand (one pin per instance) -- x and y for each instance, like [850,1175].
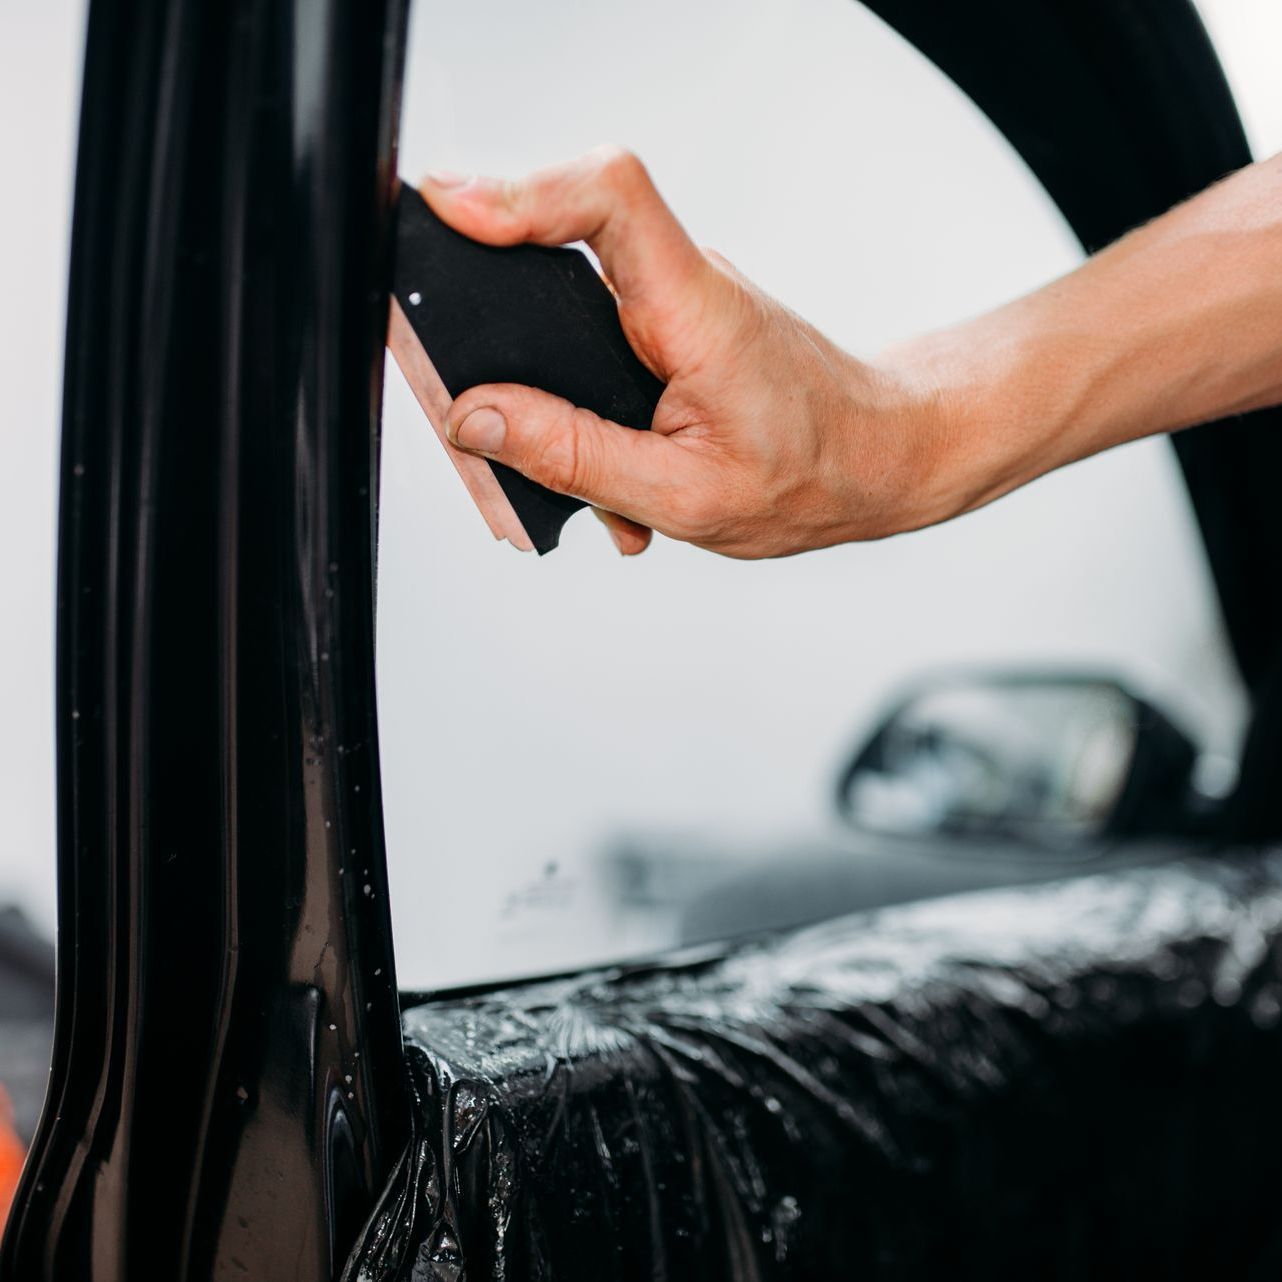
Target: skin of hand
[771,440]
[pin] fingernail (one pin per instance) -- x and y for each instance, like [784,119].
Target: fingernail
[448,178]
[482,430]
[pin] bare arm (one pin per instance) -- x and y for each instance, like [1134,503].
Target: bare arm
[1175,324]
[771,440]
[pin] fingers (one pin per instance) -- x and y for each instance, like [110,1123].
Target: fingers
[606,198]
[571,450]
[630,538]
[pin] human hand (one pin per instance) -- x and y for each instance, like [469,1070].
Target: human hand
[769,439]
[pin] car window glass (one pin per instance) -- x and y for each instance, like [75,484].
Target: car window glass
[848,177]
[578,749]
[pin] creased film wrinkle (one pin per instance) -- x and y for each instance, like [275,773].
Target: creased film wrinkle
[1079,1080]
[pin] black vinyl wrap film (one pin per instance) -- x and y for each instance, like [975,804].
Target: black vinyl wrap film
[1076,1081]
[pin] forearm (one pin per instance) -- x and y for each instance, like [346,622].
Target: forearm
[1178,323]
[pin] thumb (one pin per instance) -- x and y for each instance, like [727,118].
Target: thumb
[568,449]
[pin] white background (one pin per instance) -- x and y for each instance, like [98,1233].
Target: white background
[532,711]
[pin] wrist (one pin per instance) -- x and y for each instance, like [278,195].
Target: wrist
[983,414]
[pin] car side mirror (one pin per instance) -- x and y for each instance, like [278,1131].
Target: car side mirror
[1049,761]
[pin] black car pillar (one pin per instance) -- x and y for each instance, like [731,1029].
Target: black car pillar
[226,1094]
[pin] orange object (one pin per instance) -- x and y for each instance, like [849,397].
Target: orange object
[12,1154]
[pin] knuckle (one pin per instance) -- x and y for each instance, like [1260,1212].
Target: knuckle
[562,460]
[621,169]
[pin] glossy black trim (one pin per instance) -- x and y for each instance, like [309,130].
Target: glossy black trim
[226,1095]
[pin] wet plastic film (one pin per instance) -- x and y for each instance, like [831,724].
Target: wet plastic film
[1075,1081]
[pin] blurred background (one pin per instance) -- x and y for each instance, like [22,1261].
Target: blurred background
[584,758]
